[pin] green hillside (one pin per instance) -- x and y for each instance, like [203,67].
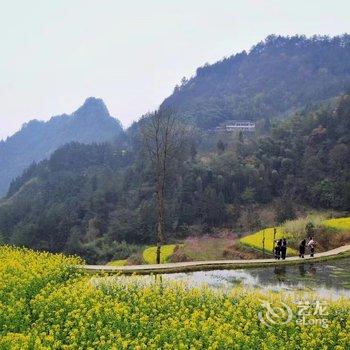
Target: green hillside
[276,76]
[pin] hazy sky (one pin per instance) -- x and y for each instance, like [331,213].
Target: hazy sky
[131,53]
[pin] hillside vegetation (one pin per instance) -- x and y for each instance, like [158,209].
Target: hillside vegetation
[87,199]
[276,76]
[46,304]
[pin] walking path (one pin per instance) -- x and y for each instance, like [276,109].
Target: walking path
[343,251]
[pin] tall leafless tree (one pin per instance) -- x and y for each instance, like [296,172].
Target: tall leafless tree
[164,138]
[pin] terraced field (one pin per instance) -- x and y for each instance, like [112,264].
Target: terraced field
[255,240]
[339,224]
[150,253]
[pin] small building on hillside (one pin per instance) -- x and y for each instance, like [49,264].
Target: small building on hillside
[236,125]
[240,125]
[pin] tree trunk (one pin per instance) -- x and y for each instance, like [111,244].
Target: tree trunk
[161,212]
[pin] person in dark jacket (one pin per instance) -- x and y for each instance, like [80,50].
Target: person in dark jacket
[302,247]
[278,244]
[283,248]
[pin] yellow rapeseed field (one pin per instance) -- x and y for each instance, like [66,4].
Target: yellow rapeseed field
[150,253]
[255,240]
[122,262]
[45,303]
[339,224]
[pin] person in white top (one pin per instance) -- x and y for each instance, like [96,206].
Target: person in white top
[311,245]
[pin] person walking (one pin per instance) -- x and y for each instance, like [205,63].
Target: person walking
[312,245]
[302,247]
[278,244]
[275,249]
[283,249]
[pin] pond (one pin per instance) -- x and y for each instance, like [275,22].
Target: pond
[329,279]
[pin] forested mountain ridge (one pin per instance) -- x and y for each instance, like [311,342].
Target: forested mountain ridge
[275,77]
[37,140]
[87,199]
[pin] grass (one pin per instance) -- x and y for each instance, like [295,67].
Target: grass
[211,248]
[339,224]
[150,253]
[255,240]
[297,227]
[118,263]
[205,248]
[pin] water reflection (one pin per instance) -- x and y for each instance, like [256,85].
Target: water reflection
[330,279]
[280,272]
[302,270]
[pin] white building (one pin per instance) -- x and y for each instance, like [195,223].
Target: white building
[236,126]
[240,125]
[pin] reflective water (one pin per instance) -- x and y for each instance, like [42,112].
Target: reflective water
[330,279]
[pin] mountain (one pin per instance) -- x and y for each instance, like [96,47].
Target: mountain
[275,77]
[95,199]
[37,140]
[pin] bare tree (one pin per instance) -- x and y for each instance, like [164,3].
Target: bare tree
[163,136]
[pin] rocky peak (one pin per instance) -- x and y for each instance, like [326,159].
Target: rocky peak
[92,108]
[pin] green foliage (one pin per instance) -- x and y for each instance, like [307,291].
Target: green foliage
[284,211]
[303,227]
[220,146]
[102,250]
[310,229]
[276,76]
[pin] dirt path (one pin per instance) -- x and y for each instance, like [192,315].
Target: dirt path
[216,264]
